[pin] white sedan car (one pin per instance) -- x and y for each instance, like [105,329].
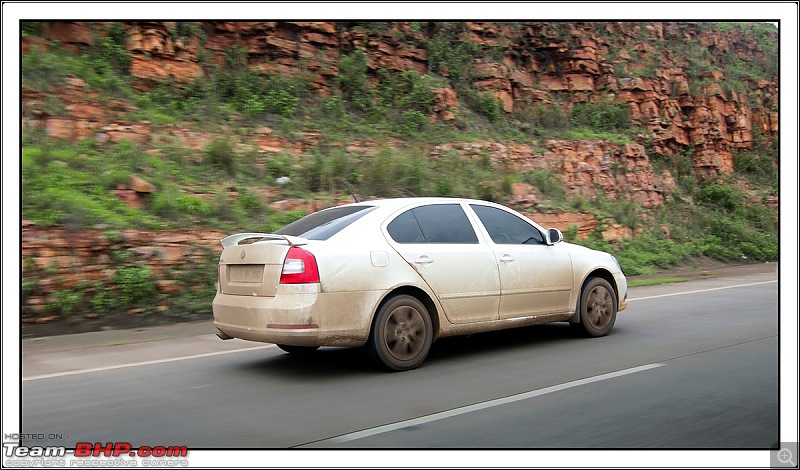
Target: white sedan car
[394,275]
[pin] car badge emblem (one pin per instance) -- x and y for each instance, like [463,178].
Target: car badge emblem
[244,253]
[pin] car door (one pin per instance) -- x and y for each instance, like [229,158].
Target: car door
[535,277]
[440,243]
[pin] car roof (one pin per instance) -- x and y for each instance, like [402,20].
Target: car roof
[400,202]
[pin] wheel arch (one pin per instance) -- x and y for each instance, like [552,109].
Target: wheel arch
[418,294]
[603,274]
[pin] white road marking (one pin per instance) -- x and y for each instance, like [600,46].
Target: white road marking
[702,290]
[143,363]
[484,405]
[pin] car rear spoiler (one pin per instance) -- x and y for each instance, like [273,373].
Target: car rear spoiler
[233,240]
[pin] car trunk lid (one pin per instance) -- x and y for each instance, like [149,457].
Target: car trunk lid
[253,268]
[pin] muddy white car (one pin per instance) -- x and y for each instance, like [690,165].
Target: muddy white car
[394,275]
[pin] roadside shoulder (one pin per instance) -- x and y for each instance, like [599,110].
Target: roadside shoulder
[119,337]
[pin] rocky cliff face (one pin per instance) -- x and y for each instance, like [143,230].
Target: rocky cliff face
[532,63]
[684,112]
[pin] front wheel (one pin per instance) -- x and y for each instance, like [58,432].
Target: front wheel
[402,334]
[597,308]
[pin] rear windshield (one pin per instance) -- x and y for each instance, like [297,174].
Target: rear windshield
[325,224]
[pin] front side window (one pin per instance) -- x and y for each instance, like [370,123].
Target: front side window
[438,223]
[323,225]
[507,229]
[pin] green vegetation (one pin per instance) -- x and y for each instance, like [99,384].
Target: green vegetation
[62,186]
[547,184]
[134,285]
[605,116]
[602,120]
[765,36]
[721,224]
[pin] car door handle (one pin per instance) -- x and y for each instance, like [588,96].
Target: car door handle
[506,258]
[423,260]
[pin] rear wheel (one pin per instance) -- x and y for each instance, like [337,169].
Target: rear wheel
[401,335]
[597,308]
[299,350]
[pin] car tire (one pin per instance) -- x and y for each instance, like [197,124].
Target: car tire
[298,350]
[597,308]
[401,334]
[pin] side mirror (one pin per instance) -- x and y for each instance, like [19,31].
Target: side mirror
[554,236]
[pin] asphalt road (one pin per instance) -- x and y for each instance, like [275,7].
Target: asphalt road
[692,365]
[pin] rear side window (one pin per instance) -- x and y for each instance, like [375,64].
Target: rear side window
[323,225]
[506,228]
[439,223]
[405,229]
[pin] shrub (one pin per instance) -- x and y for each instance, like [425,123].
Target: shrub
[443,187]
[549,117]
[604,116]
[31,28]
[413,121]
[44,70]
[192,205]
[222,209]
[65,301]
[279,165]
[755,166]
[128,154]
[391,174]
[219,153]
[549,185]
[571,233]
[134,285]
[103,299]
[451,55]
[486,105]
[111,50]
[729,230]
[281,101]
[110,61]
[249,201]
[352,79]
[406,90]
[334,107]
[164,203]
[626,213]
[723,196]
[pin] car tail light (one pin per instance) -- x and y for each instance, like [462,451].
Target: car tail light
[299,267]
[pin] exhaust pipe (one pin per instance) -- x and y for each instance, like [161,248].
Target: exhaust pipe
[222,335]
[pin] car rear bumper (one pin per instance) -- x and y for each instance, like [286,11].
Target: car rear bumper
[298,315]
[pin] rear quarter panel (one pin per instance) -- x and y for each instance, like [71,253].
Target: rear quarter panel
[358,269]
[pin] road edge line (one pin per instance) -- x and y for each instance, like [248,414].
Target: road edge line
[143,363]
